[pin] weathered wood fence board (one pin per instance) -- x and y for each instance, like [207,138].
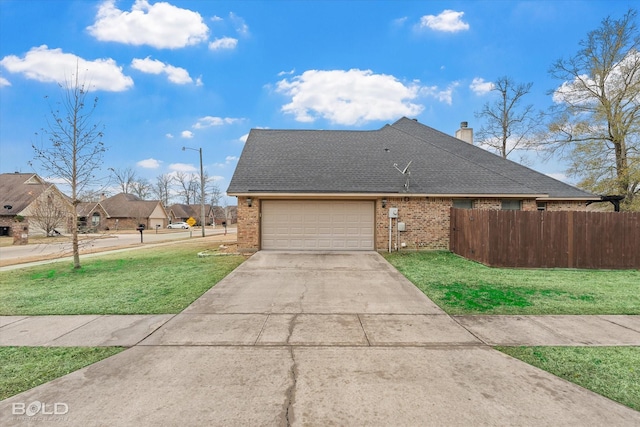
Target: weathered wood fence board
[607,240]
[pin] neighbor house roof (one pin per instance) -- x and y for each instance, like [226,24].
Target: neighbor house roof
[19,190]
[124,205]
[343,161]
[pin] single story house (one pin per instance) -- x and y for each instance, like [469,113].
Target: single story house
[363,190]
[214,214]
[126,211]
[33,200]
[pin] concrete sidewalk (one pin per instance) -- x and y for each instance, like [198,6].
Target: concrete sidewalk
[300,329]
[313,339]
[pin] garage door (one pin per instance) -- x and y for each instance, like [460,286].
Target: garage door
[317,225]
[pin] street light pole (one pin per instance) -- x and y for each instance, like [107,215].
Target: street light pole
[202,218]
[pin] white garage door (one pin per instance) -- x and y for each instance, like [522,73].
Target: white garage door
[317,225]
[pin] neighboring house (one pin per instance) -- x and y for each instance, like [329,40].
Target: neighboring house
[217,214]
[91,217]
[40,203]
[127,211]
[333,190]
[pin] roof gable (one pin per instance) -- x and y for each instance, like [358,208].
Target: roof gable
[19,190]
[316,161]
[125,205]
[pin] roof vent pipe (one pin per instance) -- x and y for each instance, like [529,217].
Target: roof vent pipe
[465,133]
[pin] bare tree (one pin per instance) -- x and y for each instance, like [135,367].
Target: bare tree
[162,188]
[75,148]
[49,213]
[508,125]
[141,188]
[596,124]
[187,186]
[125,178]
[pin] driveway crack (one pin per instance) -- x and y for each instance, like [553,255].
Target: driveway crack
[290,397]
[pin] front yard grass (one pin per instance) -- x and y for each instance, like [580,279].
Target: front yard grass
[159,280]
[613,372]
[460,286]
[23,368]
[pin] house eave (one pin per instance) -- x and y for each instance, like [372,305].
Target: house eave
[373,195]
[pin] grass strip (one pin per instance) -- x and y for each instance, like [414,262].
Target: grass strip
[460,286]
[156,280]
[613,372]
[23,368]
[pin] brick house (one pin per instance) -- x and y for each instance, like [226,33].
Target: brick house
[30,198]
[334,190]
[123,211]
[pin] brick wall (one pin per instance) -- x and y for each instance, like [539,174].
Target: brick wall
[248,225]
[427,221]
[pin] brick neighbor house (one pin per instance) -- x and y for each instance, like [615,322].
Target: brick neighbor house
[28,197]
[333,190]
[124,211]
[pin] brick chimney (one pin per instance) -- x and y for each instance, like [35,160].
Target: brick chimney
[465,133]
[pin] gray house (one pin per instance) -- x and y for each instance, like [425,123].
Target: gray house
[335,190]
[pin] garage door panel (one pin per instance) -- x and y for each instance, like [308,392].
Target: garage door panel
[317,225]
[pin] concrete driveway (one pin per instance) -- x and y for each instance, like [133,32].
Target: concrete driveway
[314,339]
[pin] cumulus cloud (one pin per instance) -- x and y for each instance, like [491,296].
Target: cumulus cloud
[243,138]
[209,121]
[448,21]
[480,87]
[4,82]
[153,66]
[182,167]
[169,135]
[224,43]
[348,97]
[227,161]
[160,25]
[241,27]
[53,65]
[187,134]
[150,163]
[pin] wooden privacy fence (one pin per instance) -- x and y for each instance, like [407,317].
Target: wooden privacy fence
[607,240]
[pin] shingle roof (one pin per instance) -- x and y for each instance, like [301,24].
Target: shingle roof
[19,190]
[124,205]
[319,161]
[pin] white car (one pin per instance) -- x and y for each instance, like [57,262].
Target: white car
[178,225]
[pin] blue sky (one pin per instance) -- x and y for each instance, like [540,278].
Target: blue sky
[203,73]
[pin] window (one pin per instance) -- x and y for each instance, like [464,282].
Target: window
[511,205]
[463,203]
[542,206]
[95,219]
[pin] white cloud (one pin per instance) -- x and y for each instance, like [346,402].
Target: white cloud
[286,73]
[209,121]
[227,161]
[169,135]
[223,43]
[4,82]
[153,66]
[53,65]
[216,18]
[150,163]
[182,167]
[399,22]
[480,87]
[243,138]
[448,21]
[442,95]
[348,97]
[187,134]
[241,27]
[160,25]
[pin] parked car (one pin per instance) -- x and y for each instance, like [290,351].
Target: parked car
[178,225]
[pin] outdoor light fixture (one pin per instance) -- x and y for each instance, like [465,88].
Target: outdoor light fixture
[384,203]
[249,201]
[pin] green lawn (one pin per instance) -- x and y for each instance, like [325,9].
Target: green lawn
[23,368]
[157,280]
[460,286]
[613,372]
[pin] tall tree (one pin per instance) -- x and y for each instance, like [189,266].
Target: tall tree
[125,178]
[161,189]
[508,125]
[187,186]
[596,124]
[141,188]
[75,149]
